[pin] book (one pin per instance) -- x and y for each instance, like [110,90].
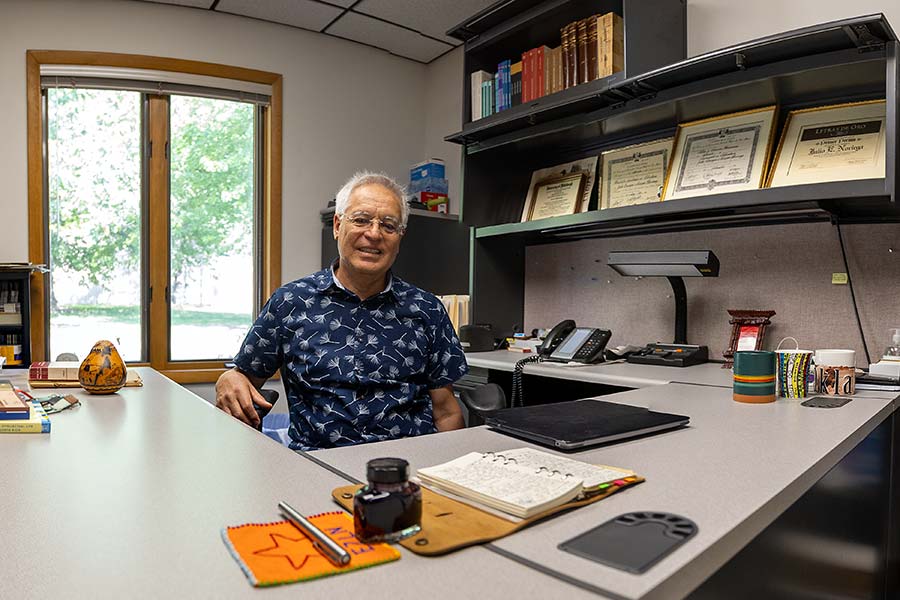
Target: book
[132,379]
[39,422]
[478,78]
[515,83]
[610,45]
[55,371]
[523,482]
[12,406]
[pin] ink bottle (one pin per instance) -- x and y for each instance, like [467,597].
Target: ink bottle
[389,507]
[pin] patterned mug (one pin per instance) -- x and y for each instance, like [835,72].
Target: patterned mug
[793,369]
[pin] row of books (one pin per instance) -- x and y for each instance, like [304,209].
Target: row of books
[9,292]
[11,348]
[589,49]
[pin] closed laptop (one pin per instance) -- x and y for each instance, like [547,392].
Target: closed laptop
[581,423]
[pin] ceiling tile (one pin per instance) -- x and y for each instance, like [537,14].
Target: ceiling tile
[298,13]
[392,38]
[433,17]
[191,3]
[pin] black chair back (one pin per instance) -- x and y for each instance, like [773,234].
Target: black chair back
[481,400]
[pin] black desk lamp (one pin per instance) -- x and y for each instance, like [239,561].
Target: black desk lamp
[673,265]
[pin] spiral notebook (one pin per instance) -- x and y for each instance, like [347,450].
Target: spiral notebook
[521,482]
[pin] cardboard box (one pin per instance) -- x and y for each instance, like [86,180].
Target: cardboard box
[433,167]
[435,202]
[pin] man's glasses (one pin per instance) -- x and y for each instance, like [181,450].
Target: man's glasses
[387,225]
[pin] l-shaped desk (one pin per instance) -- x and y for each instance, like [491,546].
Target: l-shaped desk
[128,494]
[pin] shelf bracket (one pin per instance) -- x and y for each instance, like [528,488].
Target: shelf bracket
[862,36]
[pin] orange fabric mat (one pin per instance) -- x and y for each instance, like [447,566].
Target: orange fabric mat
[276,553]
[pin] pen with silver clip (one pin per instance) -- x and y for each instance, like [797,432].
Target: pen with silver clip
[331,549]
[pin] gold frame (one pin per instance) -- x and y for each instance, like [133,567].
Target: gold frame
[586,165]
[575,200]
[608,155]
[678,156]
[180,371]
[787,125]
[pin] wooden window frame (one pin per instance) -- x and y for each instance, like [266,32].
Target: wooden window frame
[270,226]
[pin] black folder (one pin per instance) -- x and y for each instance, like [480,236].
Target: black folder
[581,423]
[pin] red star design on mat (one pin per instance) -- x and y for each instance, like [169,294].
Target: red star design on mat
[297,552]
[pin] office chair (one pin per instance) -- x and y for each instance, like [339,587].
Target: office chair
[273,425]
[483,399]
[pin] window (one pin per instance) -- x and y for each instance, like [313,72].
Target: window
[158,204]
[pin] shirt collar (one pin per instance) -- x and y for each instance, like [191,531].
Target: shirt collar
[330,281]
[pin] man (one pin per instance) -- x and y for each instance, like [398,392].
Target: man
[364,356]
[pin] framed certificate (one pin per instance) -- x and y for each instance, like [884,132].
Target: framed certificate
[831,143]
[721,154]
[634,174]
[587,166]
[556,196]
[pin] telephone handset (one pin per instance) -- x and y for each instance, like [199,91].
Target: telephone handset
[566,342]
[555,337]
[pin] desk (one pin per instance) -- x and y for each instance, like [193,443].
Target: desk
[733,471]
[127,495]
[618,373]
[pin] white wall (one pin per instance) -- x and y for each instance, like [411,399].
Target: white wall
[346,106]
[714,24]
[443,116]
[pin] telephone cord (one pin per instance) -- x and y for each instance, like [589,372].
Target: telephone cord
[517,395]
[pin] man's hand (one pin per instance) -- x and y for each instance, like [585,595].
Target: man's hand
[446,411]
[236,394]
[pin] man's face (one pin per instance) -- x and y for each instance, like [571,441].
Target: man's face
[368,250]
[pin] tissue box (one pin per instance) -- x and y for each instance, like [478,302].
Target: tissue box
[433,167]
[429,184]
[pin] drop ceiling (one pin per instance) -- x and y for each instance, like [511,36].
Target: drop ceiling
[412,29]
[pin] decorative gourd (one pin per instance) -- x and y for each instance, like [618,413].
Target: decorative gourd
[103,370]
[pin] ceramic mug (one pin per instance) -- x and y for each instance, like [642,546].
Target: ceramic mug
[793,369]
[835,371]
[754,376]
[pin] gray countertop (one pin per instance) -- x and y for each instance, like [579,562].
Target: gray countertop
[127,495]
[732,471]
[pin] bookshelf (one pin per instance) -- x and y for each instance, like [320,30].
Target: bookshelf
[15,295]
[844,61]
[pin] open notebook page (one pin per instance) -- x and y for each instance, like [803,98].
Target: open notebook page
[591,475]
[521,491]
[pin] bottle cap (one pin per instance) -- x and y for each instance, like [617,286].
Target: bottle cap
[387,470]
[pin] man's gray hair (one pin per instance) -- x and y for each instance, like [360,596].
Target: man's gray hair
[368,178]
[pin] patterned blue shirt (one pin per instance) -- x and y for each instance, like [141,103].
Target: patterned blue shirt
[354,370]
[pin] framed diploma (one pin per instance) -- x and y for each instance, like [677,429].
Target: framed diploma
[587,166]
[556,196]
[634,174]
[721,154]
[831,143]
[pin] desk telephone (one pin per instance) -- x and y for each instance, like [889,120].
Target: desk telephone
[567,342]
